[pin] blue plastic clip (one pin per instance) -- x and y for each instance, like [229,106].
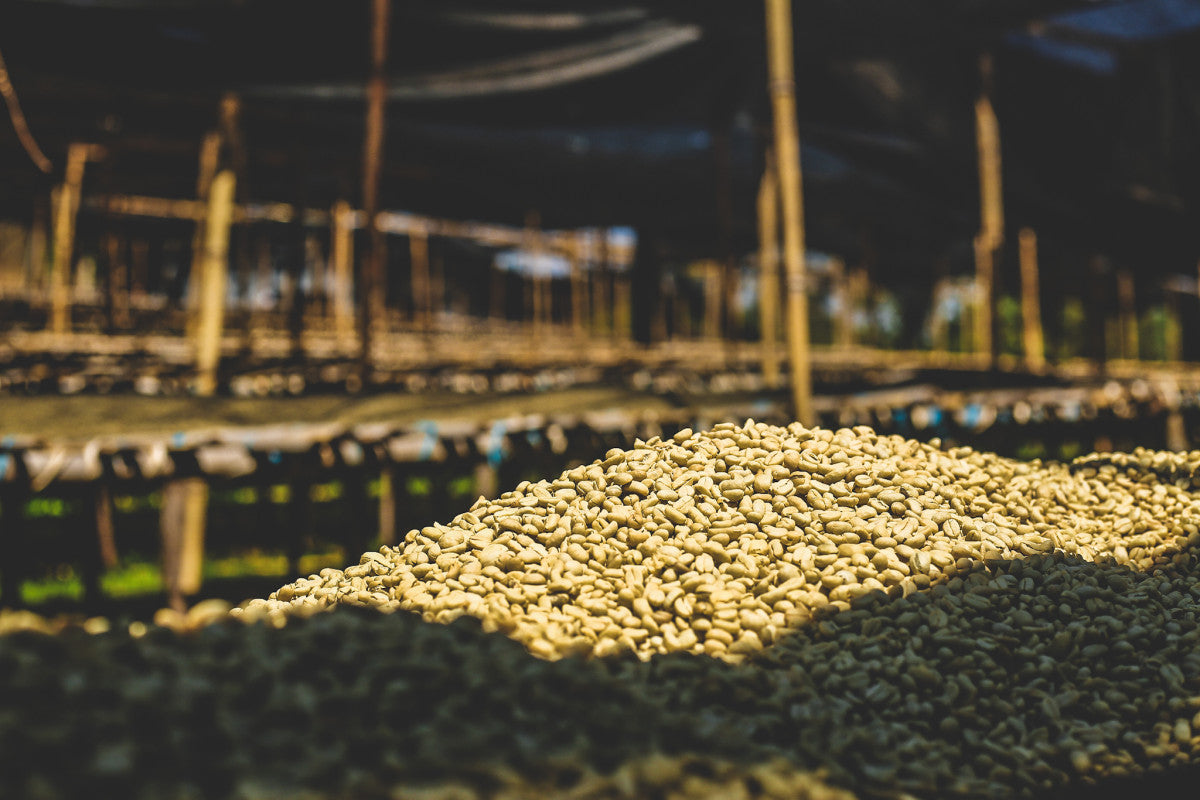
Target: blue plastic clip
[429,428]
[496,443]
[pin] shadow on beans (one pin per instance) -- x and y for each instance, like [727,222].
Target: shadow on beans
[1042,676]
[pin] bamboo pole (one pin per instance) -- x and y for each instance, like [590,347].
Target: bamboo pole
[210,150]
[578,288]
[342,235]
[768,272]
[213,282]
[422,290]
[712,299]
[372,286]
[183,521]
[35,270]
[1127,313]
[991,210]
[1031,305]
[66,208]
[787,150]
[118,282]
[982,316]
[843,323]
[622,306]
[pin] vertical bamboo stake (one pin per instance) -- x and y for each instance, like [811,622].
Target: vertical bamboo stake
[66,207]
[437,282]
[182,524]
[982,316]
[1126,303]
[118,283]
[787,150]
[389,486]
[578,288]
[1172,332]
[1031,305]
[622,306]
[939,325]
[533,248]
[372,286]
[342,218]
[991,210]
[418,249]
[210,150]
[213,282]
[768,272]
[712,299]
[35,271]
[843,330]
[191,557]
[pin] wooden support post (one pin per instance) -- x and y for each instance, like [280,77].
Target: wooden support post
[372,285]
[1127,315]
[1031,304]
[66,209]
[578,288]
[389,481]
[35,268]
[182,524]
[487,479]
[98,551]
[213,283]
[496,307]
[535,249]
[139,268]
[843,323]
[418,248]
[117,284]
[1173,332]
[300,514]
[768,272]
[342,247]
[939,333]
[712,300]
[105,530]
[210,150]
[1176,431]
[437,283]
[787,151]
[991,211]
[982,310]
[622,306]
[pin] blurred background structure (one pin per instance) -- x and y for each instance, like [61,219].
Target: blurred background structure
[1001,230]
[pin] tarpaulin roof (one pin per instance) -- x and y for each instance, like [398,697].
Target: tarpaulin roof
[651,114]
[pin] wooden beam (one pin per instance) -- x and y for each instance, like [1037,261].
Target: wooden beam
[213,282]
[66,209]
[787,151]
[372,283]
[1031,304]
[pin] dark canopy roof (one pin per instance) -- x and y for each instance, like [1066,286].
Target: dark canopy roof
[641,113]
